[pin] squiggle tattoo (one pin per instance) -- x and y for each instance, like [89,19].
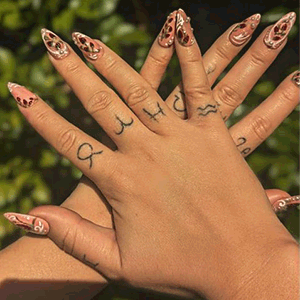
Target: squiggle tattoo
[81,149]
[242,141]
[89,263]
[152,116]
[123,125]
[207,109]
[177,98]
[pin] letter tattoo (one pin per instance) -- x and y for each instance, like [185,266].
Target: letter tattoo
[175,103]
[87,149]
[152,116]
[242,141]
[89,263]
[207,109]
[123,125]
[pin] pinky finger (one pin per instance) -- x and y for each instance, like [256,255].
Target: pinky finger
[253,129]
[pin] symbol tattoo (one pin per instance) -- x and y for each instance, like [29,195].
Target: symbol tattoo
[175,103]
[242,141]
[207,109]
[224,117]
[123,124]
[89,263]
[152,116]
[90,149]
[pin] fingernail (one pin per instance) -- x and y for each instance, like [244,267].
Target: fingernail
[29,223]
[184,31]
[277,34]
[282,204]
[242,32]
[167,34]
[296,78]
[24,97]
[54,44]
[89,47]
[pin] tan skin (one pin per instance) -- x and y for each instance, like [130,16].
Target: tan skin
[192,128]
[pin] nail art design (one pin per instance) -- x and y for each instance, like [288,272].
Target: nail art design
[282,204]
[89,47]
[184,31]
[296,78]
[29,223]
[55,45]
[279,32]
[167,34]
[23,96]
[242,32]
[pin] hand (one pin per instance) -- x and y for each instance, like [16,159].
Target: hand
[150,222]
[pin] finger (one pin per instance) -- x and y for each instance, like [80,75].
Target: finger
[231,91]
[160,53]
[135,90]
[280,200]
[254,129]
[199,101]
[91,157]
[92,244]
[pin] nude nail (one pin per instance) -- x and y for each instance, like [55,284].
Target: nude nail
[24,97]
[89,47]
[184,31]
[54,44]
[29,223]
[282,204]
[296,78]
[242,32]
[278,33]
[167,34]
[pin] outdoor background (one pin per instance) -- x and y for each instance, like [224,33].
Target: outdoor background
[32,173]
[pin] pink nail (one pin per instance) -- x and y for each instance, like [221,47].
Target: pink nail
[23,96]
[296,78]
[277,34]
[29,223]
[282,204]
[55,45]
[89,47]
[167,34]
[242,32]
[184,31]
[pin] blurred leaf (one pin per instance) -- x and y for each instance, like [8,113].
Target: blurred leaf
[7,7]
[48,159]
[264,88]
[13,21]
[274,14]
[41,192]
[7,69]
[63,22]
[26,204]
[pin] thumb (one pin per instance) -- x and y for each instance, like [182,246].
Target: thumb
[94,245]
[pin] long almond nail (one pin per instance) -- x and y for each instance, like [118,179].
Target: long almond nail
[282,204]
[89,47]
[296,78]
[184,31]
[23,96]
[29,223]
[167,34]
[278,33]
[55,45]
[242,32]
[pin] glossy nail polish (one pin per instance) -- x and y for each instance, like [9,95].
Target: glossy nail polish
[89,47]
[242,32]
[184,31]
[296,78]
[29,223]
[277,34]
[282,204]
[167,34]
[55,45]
[24,97]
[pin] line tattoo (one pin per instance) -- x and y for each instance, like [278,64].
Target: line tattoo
[178,98]
[224,117]
[89,263]
[152,116]
[123,124]
[207,109]
[87,148]
[242,141]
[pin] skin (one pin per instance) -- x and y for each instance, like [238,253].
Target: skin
[255,142]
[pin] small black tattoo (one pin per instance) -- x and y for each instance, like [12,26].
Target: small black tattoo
[89,263]
[224,117]
[246,151]
[207,109]
[123,124]
[86,147]
[242,141]
[152,116]
[175,103]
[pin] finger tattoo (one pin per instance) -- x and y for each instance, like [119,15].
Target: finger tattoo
[85,151]
[123,124]
[179,100]
[89,263]
[242,141]
[209,108]
[153,116]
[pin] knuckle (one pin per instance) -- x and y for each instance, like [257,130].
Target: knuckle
[99,101]
[261,127]
[257,58]
[66,141]
[137,94]
[71,67]
[227,95]
[222,53]
[194,93]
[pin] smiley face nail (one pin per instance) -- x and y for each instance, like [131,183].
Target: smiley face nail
[24,97]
